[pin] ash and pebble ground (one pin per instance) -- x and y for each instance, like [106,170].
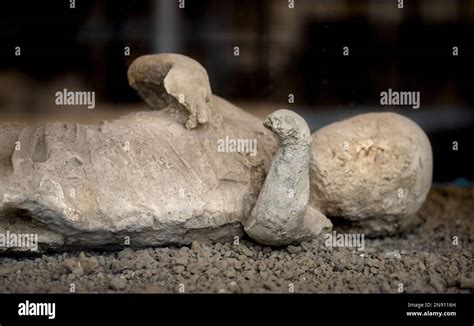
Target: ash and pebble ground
[423,260]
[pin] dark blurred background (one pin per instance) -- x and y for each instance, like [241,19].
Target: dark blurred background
[283,51]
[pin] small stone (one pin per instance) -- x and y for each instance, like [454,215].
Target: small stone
[238,265]
[124,253]
[338,268]
[262,266]
[293,249]
[74,267]
[366,271]
[118,283]
[90,264]
[178,269]
[466,283]
[181,260]
[246,251]
[437,283]
[145,260]
[249,275]
[230,273]
[393,254]
[195,246]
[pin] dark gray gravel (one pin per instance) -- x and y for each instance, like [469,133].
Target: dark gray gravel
[424,260]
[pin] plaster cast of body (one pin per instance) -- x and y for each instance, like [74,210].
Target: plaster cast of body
[156,178]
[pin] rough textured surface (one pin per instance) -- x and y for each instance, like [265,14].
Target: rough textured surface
[371,172]
[281,215]
[162,79]
[423,260]
[144,177]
